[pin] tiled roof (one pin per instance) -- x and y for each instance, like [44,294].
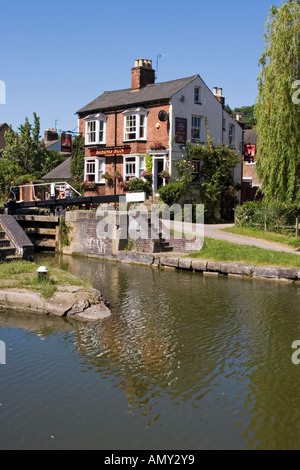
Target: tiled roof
[61,173]
[51,142]
[250,136]
[129,97]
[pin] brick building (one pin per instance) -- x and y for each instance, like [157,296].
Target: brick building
[122,127]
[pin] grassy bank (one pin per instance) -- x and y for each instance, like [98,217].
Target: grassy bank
[23,275]
[289,240]
[217,250]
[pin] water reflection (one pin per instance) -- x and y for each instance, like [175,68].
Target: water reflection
[201,362]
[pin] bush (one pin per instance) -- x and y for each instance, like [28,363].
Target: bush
[171,193]
[275,215]
[138,184]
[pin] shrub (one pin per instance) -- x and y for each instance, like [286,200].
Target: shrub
[171,193]
[138,184]
[275,215]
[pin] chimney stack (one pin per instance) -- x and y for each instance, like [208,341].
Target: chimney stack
[142,74]
[218,93]
[50,135]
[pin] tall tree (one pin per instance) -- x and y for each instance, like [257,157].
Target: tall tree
[25,157]
[278,126]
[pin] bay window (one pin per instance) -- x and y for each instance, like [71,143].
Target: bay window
[95,129]
[133,167]
[135,124]
[94,170]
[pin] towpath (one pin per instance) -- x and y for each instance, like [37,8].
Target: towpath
[217,232]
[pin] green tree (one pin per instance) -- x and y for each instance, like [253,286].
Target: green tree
[278,118]
[25,157]
[248,113]
[77,162]
[28,152]
[217,190]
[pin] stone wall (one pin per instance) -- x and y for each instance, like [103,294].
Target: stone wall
[84,237]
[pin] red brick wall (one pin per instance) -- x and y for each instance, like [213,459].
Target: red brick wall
[157,132]
[154,134]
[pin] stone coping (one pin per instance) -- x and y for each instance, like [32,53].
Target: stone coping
[207,266]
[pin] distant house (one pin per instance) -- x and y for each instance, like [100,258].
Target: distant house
[62,173]
[251,183]
[62,145]
[3,128]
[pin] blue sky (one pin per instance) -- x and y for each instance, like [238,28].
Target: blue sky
[58,56]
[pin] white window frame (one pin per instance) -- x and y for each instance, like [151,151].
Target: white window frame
[193,139]
[99,162]
[99,119]
[138,161]
[231,135]
[197,94]
[139,114]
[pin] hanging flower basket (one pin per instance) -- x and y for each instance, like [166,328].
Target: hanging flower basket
[165,175]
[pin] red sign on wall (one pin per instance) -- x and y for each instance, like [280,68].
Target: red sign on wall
[120,150]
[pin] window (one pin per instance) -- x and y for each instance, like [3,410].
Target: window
[196,169]
[224,125]
[135,127]
[130,168]
[196,134]
[94,170]
[133,167]
[197,95]
[95,129]
[231,135]
[142,166]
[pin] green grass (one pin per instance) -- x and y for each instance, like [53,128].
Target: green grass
[285,239]
[217,250]
[23,275]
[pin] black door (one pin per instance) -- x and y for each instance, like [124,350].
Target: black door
[160,168]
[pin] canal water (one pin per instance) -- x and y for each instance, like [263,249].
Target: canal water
[184,362]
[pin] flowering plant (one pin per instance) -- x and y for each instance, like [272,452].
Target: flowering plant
[88,185]
[107,176]
[165,174]
[117,176]
[124,185]
[148,175]
[158,146]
